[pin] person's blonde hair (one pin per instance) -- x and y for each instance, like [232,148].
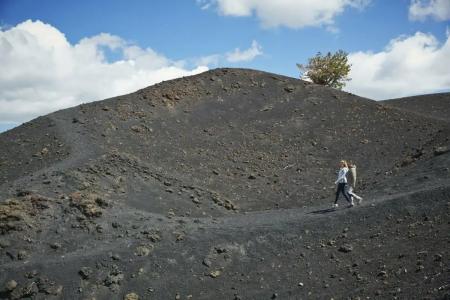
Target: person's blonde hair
[344,162]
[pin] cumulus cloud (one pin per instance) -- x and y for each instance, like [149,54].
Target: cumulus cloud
[212,60]
[289,13]
[436,9]
[246,55]
[409,65]
[43,72]
[235,56]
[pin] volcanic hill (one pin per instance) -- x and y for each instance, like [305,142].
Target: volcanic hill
[436,106]
[219,186]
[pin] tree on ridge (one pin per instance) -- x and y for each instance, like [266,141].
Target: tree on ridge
[331,69]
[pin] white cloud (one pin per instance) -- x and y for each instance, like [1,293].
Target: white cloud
[422,9]
[42,72]
[235,56]
[204,4]
[246,55]
[411,65]
[289,13]
[209,60]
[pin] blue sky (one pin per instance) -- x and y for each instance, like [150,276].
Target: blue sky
[397,48]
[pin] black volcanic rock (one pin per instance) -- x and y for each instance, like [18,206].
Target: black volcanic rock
[220,185]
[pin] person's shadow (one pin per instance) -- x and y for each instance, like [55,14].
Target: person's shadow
[5,294]
[323,211]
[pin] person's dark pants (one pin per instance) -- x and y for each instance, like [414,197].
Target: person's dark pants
[341,189]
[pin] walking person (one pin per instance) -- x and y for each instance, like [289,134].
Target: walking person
[341,183]
[352,182]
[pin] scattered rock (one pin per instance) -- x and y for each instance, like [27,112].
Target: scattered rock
[85,272]
[101,202]
[22,255]
[143,250]
[44,151]
[90,205]
[407,161]
[221,250]
[227,204]
[115,256]
[48,287]
[154,237]
[29,290]
[114,278]
[382,274]
[11,285]
[136,128]
[99,228]
[289,88]
[31,274]
[346,248]
[179,236]
[16,214]
[437,257]
[207,262]
[131,296]
[237,297]
[441,150]
[215,274]
[55,246]
[115,225]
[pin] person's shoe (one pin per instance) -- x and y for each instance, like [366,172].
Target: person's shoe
[360,200]
[335,205]
[351,204]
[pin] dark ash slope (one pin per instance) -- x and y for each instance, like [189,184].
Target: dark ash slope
[436,106]
[218,186]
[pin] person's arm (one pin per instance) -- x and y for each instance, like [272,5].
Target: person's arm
[341,175]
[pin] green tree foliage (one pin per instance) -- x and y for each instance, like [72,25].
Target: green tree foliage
[330,69]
